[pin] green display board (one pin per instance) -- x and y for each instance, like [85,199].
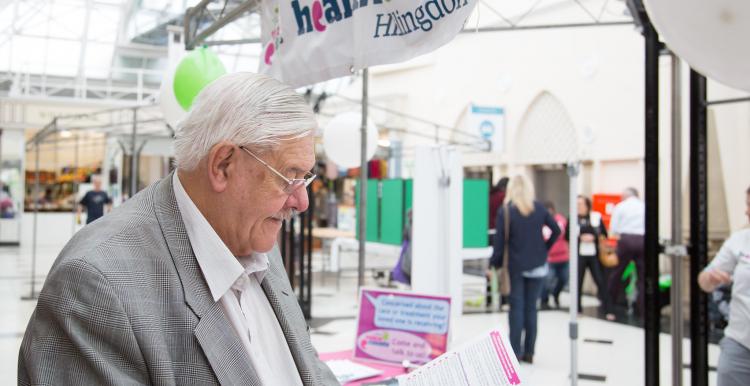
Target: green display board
[388,201]
[392,211]
[476,212]
[373,210]
[408,193]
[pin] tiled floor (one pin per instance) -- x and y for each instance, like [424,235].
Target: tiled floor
[334,313]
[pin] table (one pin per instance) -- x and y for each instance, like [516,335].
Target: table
[389,371]
[331,233]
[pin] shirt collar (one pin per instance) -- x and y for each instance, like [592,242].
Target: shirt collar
[219,266]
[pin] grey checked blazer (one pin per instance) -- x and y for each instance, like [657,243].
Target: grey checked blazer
[125,303]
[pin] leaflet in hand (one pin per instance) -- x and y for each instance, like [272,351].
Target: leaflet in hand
[486,361]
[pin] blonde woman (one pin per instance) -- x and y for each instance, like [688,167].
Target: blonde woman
[527,264]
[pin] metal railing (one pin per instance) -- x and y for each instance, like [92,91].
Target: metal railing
[129,84]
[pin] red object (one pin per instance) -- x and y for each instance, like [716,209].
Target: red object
[389,371]
[559,252]
[375,169]
[605,204]
[317,14]
[496,201]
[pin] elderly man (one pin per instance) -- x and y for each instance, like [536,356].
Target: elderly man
[182,284]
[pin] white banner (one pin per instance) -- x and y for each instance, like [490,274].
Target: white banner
[309,41]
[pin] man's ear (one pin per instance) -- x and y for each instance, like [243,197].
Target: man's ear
[220,163]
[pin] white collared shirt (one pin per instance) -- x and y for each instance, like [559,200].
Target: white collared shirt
[734,258]
[629,218]
[235,284]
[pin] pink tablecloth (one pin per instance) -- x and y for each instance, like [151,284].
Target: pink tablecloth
[389,371]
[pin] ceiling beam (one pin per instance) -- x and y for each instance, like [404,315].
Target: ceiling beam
[193,37]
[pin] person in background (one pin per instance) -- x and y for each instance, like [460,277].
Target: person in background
[591,227]
[527,264]
[402,271]
[497,197]
[732,265]
[558,260]
[6,202]
[628,226]
[95,201]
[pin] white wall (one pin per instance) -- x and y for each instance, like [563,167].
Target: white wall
[733,132]
[597,73]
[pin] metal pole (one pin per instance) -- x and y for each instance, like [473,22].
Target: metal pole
[651,311]
[292,269]
[32,294]
[677,250]
[362,225]
[75,187]
[546,26]
[134,156]
[283,246]
[137,158]
[573,231]
[301,263]
[309,240]
[728,101]
[698,230]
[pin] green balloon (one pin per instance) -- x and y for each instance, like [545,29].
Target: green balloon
[196,70]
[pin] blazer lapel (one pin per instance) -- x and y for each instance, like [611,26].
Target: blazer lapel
[284,303]
[221,345]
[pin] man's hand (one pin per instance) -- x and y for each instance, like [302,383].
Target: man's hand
[711,279]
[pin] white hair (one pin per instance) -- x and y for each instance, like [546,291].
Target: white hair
[246,109]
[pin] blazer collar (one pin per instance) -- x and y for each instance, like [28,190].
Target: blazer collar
[228,358]
[214,332]
[286,307]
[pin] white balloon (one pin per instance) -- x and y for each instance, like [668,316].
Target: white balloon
[712,36]
[173,112]
[341,139]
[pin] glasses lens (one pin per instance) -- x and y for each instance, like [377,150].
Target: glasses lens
[293,186]
[297,183]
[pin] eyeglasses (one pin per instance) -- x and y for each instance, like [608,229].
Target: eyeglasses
[292,184]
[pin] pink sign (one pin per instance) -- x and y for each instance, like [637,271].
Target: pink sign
[394,326]
[510,371]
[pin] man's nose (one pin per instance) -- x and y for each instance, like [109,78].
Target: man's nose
[298,200]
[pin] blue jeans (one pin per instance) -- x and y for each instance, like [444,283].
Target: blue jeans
[556,280]
[524,292]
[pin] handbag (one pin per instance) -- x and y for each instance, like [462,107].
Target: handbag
[607,256]
[504,275]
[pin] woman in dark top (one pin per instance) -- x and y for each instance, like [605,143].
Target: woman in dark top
[527,263]
[591,228]
[497,197]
